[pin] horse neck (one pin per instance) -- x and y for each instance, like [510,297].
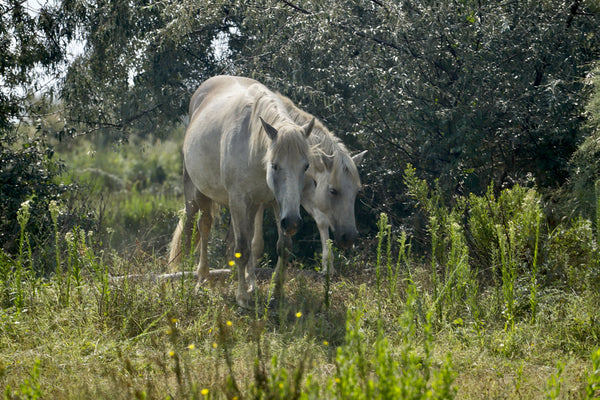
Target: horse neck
[323,143]
[268,107]
[321,138]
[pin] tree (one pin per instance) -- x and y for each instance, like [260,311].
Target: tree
[583,190]
[468,92]
[142,61]
[30,44]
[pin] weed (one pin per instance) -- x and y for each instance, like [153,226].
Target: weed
[554,383]
[31,388]
[20,273]
[496,299]
[592,388]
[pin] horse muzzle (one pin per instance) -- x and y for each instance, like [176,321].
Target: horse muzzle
[344,238]
[290,225]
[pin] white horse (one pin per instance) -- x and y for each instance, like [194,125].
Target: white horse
[329,194]
[242,149]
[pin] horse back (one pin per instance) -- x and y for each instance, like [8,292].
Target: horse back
[221,84]
[216,148]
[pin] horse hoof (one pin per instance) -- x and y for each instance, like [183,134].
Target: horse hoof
[277,303]
[243,311]
[201,285]
[245,304]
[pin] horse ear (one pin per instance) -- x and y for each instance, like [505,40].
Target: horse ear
[328,161]
[308,127]
[271,132]
[358,158]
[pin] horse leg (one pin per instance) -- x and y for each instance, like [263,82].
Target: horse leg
[204,225]
[242,219]
[192,205]
[258,245]
[284,247]
[326,263]
[323,226]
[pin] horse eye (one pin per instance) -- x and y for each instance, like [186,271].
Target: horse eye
[333,191]
[275,167]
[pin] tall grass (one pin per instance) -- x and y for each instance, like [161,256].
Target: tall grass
[499,307]
[24,258]
[592,388]
[162,340]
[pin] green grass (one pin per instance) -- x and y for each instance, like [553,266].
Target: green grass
[502,308]
[148,340]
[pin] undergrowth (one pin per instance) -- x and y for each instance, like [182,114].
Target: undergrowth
[502,307]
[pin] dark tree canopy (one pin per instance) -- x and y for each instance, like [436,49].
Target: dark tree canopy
[31,42]
[469,92]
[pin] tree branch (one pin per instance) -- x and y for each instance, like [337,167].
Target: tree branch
[371,38]
[295,7]
[97,125]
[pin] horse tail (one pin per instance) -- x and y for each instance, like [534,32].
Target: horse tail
[176,246]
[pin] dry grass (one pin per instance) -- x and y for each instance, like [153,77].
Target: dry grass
[162,340]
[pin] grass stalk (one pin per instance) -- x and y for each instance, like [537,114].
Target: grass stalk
[533,300]
[23,215]
[507,268]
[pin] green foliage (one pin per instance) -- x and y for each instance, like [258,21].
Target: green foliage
[30,389]
[453,278]
[134,186]
[585,164]
[468,92]
[573,255]
[27,40]
[554,384]
[391,372]
[511,220]
[505,239]
[592,389]
[27,173]
[30,44]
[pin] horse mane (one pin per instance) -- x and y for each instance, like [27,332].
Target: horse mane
[326,148]
[270,108]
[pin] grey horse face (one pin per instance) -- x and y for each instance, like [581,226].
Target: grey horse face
[286,167]
[335,196]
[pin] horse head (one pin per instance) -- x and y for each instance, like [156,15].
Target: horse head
[286,162]
[335,190]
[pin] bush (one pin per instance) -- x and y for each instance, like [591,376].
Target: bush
[512,219]
[27,172]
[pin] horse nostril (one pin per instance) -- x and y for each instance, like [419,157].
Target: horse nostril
[290,225]
[348,238]
[345,239]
